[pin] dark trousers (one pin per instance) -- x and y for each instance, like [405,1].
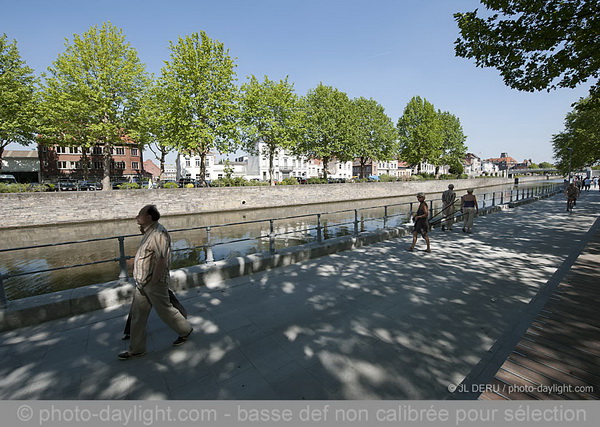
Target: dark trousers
[174,301]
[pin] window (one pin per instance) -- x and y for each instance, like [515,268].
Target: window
[134,152]
[188,163]
[61,150]
[74,150]
[98,165]
[62,165]
[118,165]
[97,150]
[74,165]
[119,151]
[197,163]
[135,165]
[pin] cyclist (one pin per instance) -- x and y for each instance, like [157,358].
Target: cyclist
[572,193]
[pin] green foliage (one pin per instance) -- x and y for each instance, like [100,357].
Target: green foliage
[578,145]
[25,188]
[431,136]
[387,178]
[546,165]
[289,181]
[93,93]
[535,45]
[170,185]
[316,181]
[195,99]
[17,97]
[328,126]
[453,139]
[420,134]
[236,182]
[373,135]
[129,186]
[271,114]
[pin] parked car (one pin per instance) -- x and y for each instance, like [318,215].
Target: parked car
[67,185]
[301,180]
[90,186]
[7,179]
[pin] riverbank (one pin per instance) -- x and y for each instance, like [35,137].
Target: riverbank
[38,209]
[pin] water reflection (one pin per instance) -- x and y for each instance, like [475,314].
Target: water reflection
[250,235]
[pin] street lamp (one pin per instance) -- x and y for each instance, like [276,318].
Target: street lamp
[570,158]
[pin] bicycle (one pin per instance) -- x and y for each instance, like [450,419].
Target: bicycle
[570,204]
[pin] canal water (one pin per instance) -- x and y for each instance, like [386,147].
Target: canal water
[249,233]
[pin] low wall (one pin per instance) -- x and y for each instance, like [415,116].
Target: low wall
[36,209]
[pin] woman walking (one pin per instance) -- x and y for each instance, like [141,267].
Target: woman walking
[421,219]
[469,208]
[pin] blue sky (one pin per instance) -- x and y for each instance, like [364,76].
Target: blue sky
[388,50]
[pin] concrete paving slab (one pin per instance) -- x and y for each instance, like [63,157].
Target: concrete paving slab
[376,322]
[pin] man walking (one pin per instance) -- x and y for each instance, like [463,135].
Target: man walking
[151,275]
[448,199]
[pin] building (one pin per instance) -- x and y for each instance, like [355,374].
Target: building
[504,162]
[170,173]
[23,165]
[152,169]
[58,162]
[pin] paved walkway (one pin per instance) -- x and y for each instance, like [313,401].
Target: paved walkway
[374,323]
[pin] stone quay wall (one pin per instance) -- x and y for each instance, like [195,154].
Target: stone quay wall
[38,209]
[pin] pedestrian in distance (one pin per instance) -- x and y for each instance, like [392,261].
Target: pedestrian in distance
[151,275]
[448,200]
[587,183]
[469,208]
[572,193]
[421,221]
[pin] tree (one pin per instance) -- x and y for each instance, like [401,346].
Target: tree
[420,133]
[17,97]
[152,128]
[535,44]
[327,126]
[271,115]
[546,165]
[579,144]
[196,99]
[453,138]
[374,134]
[92,95]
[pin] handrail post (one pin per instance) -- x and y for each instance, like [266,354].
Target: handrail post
[493,198]
[385,216]
[210,258]
[3,301]
[430,209]
[271,237]
[319,231]
[122,259]
[356,222]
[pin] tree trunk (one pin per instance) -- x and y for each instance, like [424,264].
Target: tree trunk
[363,165]
[203,169]
[163,155]
[1,154]
[106,157]
[271,167]
[325,166]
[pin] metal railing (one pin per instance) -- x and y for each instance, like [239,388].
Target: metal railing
[318,232]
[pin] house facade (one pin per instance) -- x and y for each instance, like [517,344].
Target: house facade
[57,162]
